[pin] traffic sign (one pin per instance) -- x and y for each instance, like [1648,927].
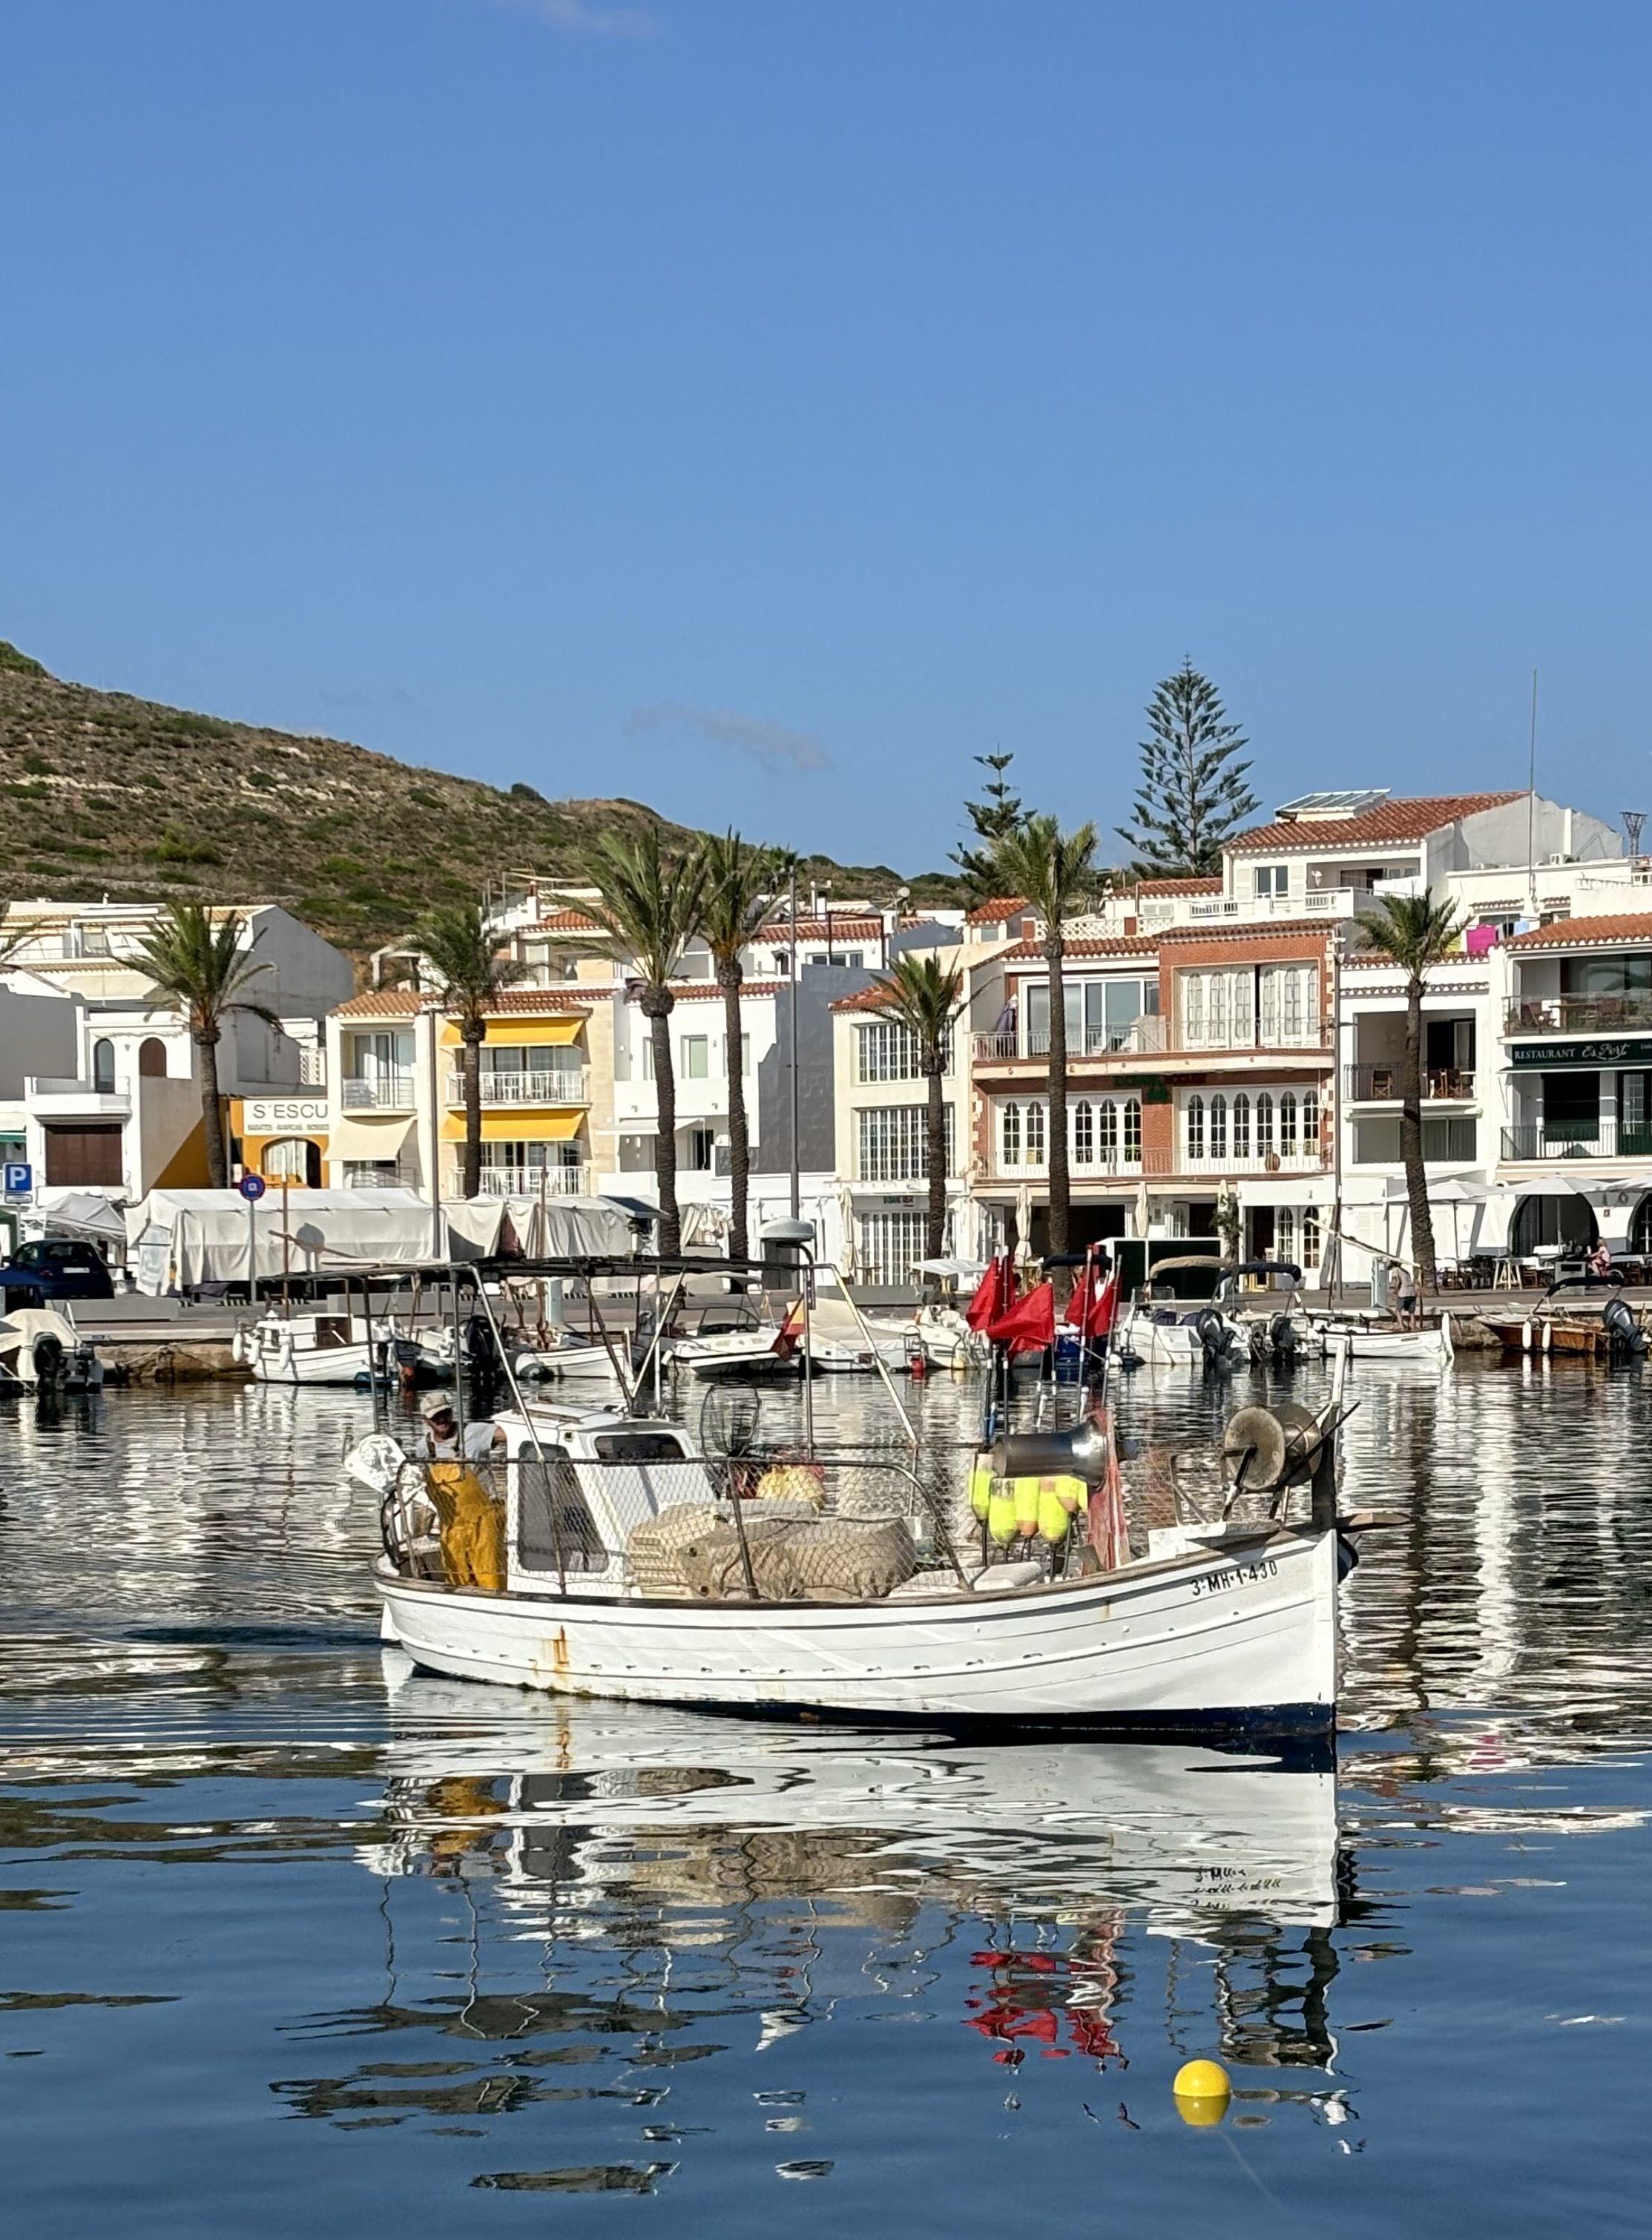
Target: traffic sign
[252,1188]
[19,1178]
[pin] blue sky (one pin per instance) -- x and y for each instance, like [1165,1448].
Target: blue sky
[759,407]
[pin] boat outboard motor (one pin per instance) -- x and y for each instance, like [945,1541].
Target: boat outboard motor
[50,1361]
[1623,1332]
[1282,1336]
[1212,1333]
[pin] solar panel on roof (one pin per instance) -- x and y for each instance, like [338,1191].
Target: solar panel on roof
[1349,802]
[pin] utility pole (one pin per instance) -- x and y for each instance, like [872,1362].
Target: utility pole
[796,1192]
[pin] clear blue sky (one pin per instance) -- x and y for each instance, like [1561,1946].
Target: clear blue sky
[760,406]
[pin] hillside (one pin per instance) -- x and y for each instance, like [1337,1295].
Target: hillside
[101,794]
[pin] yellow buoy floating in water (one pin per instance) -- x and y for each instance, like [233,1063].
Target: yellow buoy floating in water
[1201,2093]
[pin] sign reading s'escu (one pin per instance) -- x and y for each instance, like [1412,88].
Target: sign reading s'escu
[280,1115]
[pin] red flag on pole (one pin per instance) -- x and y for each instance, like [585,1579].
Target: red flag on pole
[995,1293]
[1030,1323]
[1093,1304]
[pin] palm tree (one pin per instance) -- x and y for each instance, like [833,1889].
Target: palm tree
[1416,932]
[739,882]
[461,950]
[1053,869]
[650,902]
[202,967]
[925,998]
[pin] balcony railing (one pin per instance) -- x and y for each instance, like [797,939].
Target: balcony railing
[378,1092]
[1310,1161]
[1080,1169]
[563,1085]
[1578,1015]
[1579,1139]
[1380,1084]
[529,1182]
[1150,1035]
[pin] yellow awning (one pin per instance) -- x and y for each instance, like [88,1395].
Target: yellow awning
[514,1032]
[536,1125]
[352,1139]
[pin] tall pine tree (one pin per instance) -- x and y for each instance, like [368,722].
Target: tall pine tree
[995,819]
[1193,794]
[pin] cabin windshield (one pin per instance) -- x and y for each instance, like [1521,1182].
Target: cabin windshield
[638,1447]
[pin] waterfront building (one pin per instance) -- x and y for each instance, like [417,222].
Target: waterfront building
[100,1084]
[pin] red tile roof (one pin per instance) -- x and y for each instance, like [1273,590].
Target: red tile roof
[991,913]
[1255,928]
[382,1003]
[864,999]
[1391,821]
[1590,932]
[565,921]
[692,991]
[1123,944]
[513,1003]
[1188,886]
[777,932]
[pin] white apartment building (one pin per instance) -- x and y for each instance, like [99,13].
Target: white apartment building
[99,1084]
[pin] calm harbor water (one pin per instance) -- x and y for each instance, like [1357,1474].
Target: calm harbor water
[292,1939]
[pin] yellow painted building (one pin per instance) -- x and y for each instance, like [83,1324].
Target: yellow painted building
[535,1081]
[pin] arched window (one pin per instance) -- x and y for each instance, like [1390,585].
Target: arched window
[1312,1241]
[1084,1133]
[1285,1233]
[1196,1127]
[1242,1126]
[1110,1132]
[1010,1136]
[104,1068]
[1310,1125]
[1264,1124]
[1218,1127]
[151,1058]
[1035,1135]
[1640,1230]
[1132,1129]
[1287,1122]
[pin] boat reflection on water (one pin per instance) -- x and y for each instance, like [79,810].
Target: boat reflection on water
[1014,1885]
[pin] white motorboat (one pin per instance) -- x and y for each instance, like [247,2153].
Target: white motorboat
[1224,1625]
[1162,1328]
[41,1348]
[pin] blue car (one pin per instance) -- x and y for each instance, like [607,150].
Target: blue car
[54,1268]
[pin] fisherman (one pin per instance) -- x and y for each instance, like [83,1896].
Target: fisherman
[441,1442]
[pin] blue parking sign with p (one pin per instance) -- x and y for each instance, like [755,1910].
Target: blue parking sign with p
[18,1178]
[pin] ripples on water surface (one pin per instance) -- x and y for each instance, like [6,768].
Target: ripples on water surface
[291,1939]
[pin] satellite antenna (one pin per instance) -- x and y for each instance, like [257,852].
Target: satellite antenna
[1633,820]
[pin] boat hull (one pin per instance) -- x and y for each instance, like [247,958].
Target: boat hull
[1237,1638]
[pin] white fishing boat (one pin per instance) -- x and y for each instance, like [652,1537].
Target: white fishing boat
[1379,1339]
[615,1565]
[582,1367]
[319,1348]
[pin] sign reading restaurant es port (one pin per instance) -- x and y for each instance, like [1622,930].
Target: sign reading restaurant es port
[1602,1049]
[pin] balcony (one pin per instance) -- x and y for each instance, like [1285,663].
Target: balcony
[561,1085]
[1579,1014]
[1320,902]
[378,1092]
[528,1181]
[1126,1165]
[1380,1084]
[1579,1139]
[1212,1165]
[53,1096]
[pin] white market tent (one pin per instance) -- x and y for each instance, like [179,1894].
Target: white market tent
[176,1239]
